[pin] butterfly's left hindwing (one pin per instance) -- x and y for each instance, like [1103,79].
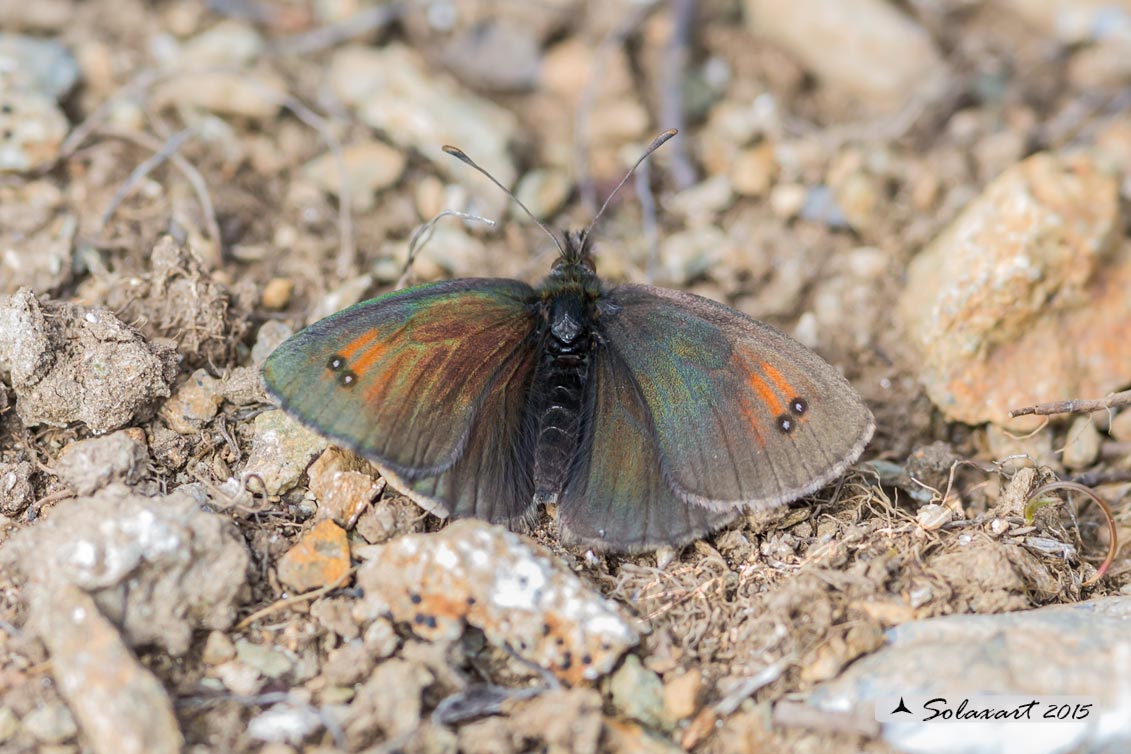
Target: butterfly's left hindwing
[617,497]
[429,383]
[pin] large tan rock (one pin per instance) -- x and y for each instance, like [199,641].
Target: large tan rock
[1023,298]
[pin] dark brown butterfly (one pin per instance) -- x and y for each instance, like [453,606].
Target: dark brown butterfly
[650,416]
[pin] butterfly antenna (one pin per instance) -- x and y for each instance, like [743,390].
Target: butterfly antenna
[460,155]
[423,233]
[658,142]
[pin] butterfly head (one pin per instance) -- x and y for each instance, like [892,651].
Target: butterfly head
[576,258]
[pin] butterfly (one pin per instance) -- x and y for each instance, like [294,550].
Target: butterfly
[650,417]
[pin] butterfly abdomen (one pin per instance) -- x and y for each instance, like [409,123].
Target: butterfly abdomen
[559,402]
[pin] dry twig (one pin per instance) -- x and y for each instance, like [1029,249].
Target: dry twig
[1077,406]
[191,174]
[324,37]
[147,166]
[672,111]
[275,607]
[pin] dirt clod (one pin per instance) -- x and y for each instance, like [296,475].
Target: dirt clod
[70,363]
[89,465]
[160,568]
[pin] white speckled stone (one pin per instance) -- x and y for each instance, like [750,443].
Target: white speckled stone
[519,595]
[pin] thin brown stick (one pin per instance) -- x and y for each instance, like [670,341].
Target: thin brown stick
[332,35]
[1077,406]
[191,174]
[1113,541]
[347,249]
[612,42]
[672,109]
[144,168]
[275,607]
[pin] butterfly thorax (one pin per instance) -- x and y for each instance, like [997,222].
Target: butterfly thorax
[568,308]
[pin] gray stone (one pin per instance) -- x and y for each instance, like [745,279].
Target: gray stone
[89,465]
[1078,649]
[160,568]
[69,363]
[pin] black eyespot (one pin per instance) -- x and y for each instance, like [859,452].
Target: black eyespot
[347,379]
[419,618]
[545,629]
[416,598]
[470,601]
[335,362]
[6,108]
[785,423]
[798,406]
[586,659]
[431,622]
[567,661]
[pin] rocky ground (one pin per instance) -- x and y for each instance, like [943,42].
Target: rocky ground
[932,195]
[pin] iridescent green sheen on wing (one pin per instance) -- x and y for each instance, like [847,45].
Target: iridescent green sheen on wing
[617,497]
[417,380]
[721,392]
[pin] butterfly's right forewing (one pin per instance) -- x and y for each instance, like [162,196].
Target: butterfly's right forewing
[429,383]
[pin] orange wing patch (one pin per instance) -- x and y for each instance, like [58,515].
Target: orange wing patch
[766,394]
[375,351]
[783,386]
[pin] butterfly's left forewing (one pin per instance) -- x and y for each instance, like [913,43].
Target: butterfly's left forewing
[430,384]
[742,414]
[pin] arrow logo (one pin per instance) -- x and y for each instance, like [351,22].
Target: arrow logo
[901,708]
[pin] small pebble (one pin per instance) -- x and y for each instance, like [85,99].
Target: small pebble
[932,517]
[36,65]
[1021,299]
[638,693]
[9,724]
[194,404]
[787,199]
[483,575]
[284,722]
[89,465]
[321,558]
[1120,428]
[753,171]
[218,649]
[267,660]
[271,335]
[32,129]
[544,191]
[681,694]
[348,664]
[281,450]
[16,490]
[277,294]
[381,638]
[50,723]
[341,481]
[851,47]
[1082,443]
[241,94]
